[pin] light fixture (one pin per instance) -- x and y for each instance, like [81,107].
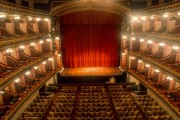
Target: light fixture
[41,41]
[161,44]
[169,78]
[44,63]
[150,41]
[48,40]
[157,70]
[21,47]
[46,19]
[17,80]
[38,19]
[16,17]
[59,55]
[33,44]
[175,47]
[165,15]
[27,73]
[132,58]
[35,67]
[152,17]
[9,50]
[2,92]
[30,18]
[2,16]
[143,18]
[147,65]
[134,18]
[123,54]
[141,40]
[124,37]
[139,61]
[133,38]
[178,13]
[50,59]
[56,38]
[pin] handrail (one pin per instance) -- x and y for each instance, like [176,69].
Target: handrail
[10,113]
[20,30]
[10,56]
[160,29]
[38,52]
[168,55]
[160,50]
[149,47]
[13,94]
[3,65]
[171,31]
[175,89]
[21,84]
[152,75]
[26,55]
[33,32]
[149,30]
[7,31]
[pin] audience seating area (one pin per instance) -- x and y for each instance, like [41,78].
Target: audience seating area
[95,102]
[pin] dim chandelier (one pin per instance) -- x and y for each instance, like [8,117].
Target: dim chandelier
[89,60]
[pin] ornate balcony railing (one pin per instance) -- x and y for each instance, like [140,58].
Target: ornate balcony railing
[163,67]
[10,113]
[161,95]
[18,9]
[4,43]
[7,79]
[168,38]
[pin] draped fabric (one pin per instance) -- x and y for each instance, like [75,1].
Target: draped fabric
[89,39]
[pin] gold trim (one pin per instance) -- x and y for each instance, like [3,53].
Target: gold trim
[156,91]
[18,9]
[163,67]
[4,81]
[76,6]
[19,104]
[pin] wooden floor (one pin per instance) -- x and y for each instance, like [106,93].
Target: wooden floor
[93,71]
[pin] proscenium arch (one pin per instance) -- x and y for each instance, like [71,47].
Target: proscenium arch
[76,6]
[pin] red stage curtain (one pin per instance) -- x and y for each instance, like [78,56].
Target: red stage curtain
[89,39]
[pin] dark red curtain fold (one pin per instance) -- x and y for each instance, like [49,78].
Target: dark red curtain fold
[91,44]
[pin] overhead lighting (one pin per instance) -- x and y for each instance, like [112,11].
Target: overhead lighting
[143,18]
[133,38]
[134,18]
[165,15]
[175,47]
[41,41]
[35,67]
[30,18]
[123,54]
[139,61]
[2,92]
[169,78]
[21,47]
[16,17]
[59,55]
[150,41]
[147,65]
[33,44]
[38,19]
[141,40]
[44,63]
[2,16]
[17,80]
[178,13]
[161,44]
[124,37]
[157,70]
[27,73]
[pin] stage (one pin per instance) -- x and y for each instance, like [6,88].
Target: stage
[90,75]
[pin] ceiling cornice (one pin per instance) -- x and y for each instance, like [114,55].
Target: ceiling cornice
[77,6]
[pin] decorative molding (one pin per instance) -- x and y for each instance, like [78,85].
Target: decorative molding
[168,38]
[21,10]
[156,91]
[14,41]
[158,9]
[163,67]
[75,6]
[4,81]
[33,89]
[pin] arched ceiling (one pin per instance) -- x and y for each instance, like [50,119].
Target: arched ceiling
[85,5]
